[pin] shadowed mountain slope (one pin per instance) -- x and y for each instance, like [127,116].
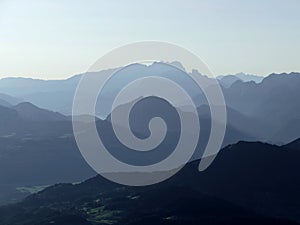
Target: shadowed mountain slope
[247,184]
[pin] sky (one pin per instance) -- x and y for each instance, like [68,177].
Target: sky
[55,39]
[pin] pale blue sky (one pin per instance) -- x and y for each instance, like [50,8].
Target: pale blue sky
[59,38]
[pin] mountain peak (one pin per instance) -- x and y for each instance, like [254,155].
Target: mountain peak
[25,105]
[178,65]
[31,112]
[242,77]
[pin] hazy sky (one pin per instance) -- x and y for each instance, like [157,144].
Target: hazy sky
[59,38]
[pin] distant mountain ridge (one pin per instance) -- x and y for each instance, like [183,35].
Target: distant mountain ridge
[26,119]
[254,179]
[31,112]
[57,95]
[229,79]
[273,101]
[7,100]
[41,141]
[271,104]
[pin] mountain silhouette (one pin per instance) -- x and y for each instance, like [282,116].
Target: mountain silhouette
[8,101]
[31,112]
[269,104]
[228,80]
[247,184]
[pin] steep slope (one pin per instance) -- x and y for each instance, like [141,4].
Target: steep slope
[272,102]
[9,99]
[26,120]
[31,112]
[259,176]
[5,103]
[9,120]
[36,148]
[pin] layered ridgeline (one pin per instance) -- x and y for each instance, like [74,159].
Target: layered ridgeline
[36,143]
[228,80]
[267,108]
[38,147]
[249,183]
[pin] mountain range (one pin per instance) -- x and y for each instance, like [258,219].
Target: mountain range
[228,80]
[41,143]
[34,138]
[267,106]
[57,95]
[253,179]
